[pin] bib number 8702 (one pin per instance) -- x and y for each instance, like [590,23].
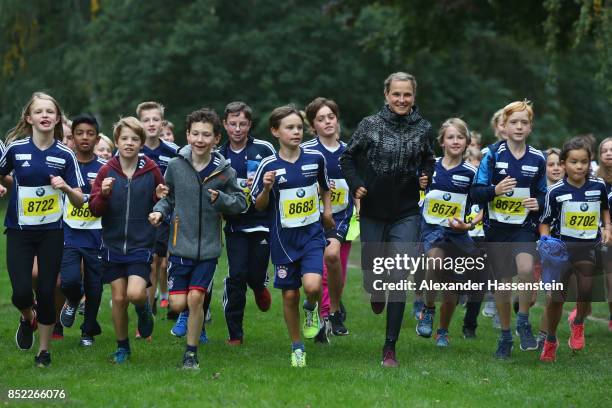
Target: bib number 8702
[582,221]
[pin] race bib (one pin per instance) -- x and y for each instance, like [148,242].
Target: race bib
[339,195]
[439,206]
[299,206]
[242,183]
[38,205]
[580,219]
[478,230]
[80,218]
[508,208]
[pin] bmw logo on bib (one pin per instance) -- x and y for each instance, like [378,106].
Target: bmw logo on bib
[509,193]
[243,183]
[40,191]
[446,196]
[584,207]
[300,193]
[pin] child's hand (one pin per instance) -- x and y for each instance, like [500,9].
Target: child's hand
[606,237]
[58,183]
[328,220]
[3,190]
[107,186]
[250,182]
[361,192]
[423,180]
[531,204]
[214,194]
[268,180]
[161,191]
[155,218]
[505,186]
[458,225]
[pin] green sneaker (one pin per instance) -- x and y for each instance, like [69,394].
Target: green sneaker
[312,323]
[298,358]
[120,356]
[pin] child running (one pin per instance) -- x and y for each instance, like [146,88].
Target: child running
[83,238]
[605,172]
[202,185]
[444,232]
[573,210]
[43,169]
[286,185]
[123,195]
[511,183]
[323,116]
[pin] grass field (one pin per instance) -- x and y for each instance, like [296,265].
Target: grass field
[346,373]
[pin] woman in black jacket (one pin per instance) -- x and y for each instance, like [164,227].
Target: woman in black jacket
[382,164]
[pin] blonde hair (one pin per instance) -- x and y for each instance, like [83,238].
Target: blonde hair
[107,140]
[458,124]
[473,153]
[605,172]
[131,123]
[517,106]
[23,128]
[150,105]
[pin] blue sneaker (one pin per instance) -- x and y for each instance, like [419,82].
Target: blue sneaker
[528,341]
[424,327]
[120,356]
[180,327]
[203,336]
[417,307]
[442,339]
[504,349]
[146,320]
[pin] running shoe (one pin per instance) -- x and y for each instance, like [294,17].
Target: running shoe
[164,303]
[489,310]
[576,339]
[424,327]
[24,337]
[43,359]
[504,349]
[180,327]
[58,332]
[86,340]
[526,337]
[190,361]
[312,322]
[549,351]
[263,299]
[572,315]
[442,339]
[234,342]
[298,358]
[389,359]
[120,356]
[203,336]
[337,327]
[68,314]
[342,312]
[323,336]
[146,321]
[469,333]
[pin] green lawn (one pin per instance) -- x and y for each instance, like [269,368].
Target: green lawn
[346,373]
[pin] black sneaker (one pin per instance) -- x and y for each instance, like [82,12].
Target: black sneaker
[58,332]
[68,314]
[323,336]
[146,321]
[342,312]
[86,340]
[190,361]
[25,333]
[469,333]
[43,359]
[337,327]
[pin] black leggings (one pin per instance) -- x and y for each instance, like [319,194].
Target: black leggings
[21,247]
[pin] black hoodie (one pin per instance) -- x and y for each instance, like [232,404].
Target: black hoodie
[386,155]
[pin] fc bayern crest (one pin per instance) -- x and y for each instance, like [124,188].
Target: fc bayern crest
[281,272]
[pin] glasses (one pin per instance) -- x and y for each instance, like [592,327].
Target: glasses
[240,125]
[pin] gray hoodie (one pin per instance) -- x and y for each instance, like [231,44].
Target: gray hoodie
[195,229]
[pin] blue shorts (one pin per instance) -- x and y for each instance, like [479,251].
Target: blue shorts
[289,276]
[452,243]
[342,227]
[504,244]
[113,271]
[186,274]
